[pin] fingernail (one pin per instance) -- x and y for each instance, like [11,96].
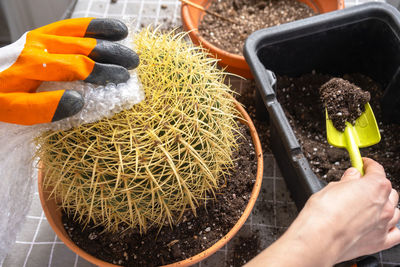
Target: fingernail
[352,171]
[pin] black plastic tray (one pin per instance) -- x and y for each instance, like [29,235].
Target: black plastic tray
[363,39]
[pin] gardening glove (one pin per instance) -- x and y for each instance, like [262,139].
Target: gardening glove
[67,50]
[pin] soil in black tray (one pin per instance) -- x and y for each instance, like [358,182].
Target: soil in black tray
[302,105]
[187,239]
[248,16]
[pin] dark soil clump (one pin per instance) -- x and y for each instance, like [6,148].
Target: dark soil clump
[300,99]
[249,16]
[344,101]
[193,235]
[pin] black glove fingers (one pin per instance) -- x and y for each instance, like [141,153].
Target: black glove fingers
[107,73]
[70,103]
[107,29]
[113,53]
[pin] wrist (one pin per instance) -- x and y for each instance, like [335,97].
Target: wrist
[313,242]
[322,239]
[305,243]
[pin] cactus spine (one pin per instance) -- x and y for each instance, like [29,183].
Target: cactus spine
[148,165]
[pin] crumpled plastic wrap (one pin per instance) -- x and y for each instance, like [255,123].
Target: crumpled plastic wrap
[16,170]
[100,101]
[17,148]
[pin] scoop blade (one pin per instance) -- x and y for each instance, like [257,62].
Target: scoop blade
[365,131]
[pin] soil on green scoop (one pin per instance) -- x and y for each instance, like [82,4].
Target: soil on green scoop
[248,16]
[343,101]
[302,105]
[187,239]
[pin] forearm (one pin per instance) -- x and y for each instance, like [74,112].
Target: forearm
[306,243]
[292,252]
[347,219]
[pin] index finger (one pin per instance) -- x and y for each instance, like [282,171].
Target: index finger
[108,29]
[375,176]
[371,167]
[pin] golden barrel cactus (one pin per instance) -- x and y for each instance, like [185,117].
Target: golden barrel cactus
[148,165]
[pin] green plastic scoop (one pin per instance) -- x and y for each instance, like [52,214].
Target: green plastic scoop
[364,133]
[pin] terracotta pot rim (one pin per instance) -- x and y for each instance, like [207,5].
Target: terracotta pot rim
[221,51]
[226,58]
[194,33]
[198,257]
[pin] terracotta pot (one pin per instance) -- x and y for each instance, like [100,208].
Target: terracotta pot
[235,63]
[53,213]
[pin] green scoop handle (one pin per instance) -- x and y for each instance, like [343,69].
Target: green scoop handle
[352,148]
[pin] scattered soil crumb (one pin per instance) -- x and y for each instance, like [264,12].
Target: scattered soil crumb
[344,101]
[244,250]
[249,16]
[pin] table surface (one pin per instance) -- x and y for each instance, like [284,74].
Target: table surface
[37,244]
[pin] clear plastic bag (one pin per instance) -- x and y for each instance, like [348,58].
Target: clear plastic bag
[17,148]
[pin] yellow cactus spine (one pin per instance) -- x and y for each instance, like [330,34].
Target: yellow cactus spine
[146,166]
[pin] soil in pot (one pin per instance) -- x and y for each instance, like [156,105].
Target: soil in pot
[193,235]
[249,16]
[246,95]
[302,105]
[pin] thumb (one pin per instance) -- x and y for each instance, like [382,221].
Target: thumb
[42,107]
[351,174]
[392,238]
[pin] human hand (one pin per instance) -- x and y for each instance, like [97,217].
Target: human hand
[347,219]
[68,50]
[364,214]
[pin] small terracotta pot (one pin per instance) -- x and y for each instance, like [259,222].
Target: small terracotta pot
[53,212]
[235,63]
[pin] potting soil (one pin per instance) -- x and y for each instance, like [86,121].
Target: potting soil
[300,100]
[193,235]
[247,97]
[343,101]
[249,16]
